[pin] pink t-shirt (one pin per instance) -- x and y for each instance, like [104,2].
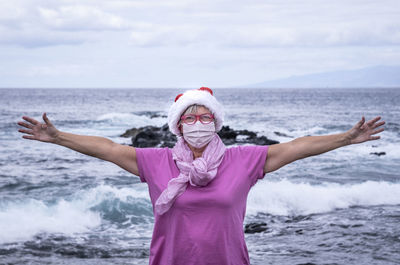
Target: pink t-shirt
[205,224]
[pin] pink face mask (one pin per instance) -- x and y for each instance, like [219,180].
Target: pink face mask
[198,134]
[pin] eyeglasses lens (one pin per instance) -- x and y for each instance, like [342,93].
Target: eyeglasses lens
[205,118]
[190,119]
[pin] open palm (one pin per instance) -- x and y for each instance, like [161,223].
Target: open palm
[364,131]
[35,130]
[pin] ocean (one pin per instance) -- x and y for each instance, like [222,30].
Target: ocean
[60,207]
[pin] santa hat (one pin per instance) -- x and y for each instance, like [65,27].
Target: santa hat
[202,96]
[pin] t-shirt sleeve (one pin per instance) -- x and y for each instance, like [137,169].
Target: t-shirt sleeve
[254,158]
[148,160]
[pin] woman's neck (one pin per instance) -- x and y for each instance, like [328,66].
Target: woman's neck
[197,152]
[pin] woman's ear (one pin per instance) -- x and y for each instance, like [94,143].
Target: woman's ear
[179,124]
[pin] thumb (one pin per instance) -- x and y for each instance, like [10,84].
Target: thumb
[361,122]
[46,120]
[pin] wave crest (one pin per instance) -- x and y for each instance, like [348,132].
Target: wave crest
[288,198]
[84,211]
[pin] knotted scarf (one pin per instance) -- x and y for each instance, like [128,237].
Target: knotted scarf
[198,172]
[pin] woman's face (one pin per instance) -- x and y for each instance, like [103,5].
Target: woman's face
[200,110]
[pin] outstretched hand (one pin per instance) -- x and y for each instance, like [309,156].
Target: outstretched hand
[44,132]
[364,131]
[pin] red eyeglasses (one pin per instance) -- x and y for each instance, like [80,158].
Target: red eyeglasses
[190,119]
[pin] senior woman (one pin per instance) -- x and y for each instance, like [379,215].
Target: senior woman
[199,188]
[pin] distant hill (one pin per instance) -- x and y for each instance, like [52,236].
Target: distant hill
[377,76]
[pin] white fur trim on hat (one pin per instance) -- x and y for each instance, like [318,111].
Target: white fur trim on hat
[190,97]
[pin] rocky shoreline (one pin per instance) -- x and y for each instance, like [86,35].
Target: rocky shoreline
[152,136]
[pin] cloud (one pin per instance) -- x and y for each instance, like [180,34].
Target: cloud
[319,36]
[173,42]
[30,37]
[159,35]
[220,23]
[81,18]
[32,25]
[257,24]
[57,70]
[11,11]
[159,4]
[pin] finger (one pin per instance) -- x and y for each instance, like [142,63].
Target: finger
[374,138]
[361,122]
[31,120]
[371,122]
[28,137]
[46,120]
[26,125]
[377,131]
[376,125]
[26,131]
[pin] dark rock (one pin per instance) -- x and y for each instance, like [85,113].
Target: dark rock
[247,133]
[157,116]
[151,136]
[227,133]
[165,128]
[378,153]
[283,134]
[252,228]
[230,137]
[7,251]
[300,231]
[130,133]
[82,252]
[262,140]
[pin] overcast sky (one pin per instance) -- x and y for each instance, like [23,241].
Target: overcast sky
[162,43]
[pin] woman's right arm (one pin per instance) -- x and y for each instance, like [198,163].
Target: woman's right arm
[100,147]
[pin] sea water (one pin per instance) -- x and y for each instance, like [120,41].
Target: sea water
[60,207]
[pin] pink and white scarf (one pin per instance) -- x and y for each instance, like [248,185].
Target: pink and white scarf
[198,172]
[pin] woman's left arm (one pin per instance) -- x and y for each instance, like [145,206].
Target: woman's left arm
[280,155]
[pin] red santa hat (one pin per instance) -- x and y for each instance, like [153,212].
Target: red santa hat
[202,96]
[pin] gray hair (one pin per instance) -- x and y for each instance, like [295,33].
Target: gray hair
[192,109]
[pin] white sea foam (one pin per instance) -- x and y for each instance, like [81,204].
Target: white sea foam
[287,198]
[96,195]
[114,124]
[131,120]
[21,220]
